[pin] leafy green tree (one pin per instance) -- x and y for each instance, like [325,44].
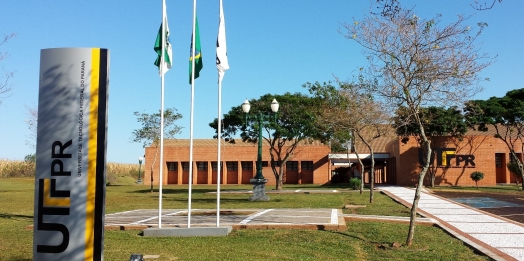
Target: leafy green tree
[149,133]
[295,123]
[438,122]
[415,62]
[506,116]
[513,167]
[477,176]
[30,158]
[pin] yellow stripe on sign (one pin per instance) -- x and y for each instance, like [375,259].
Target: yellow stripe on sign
[91,154]
[53,202]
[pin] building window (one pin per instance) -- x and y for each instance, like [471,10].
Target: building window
[498,160]
[275,163]
[247,165]
[214,165]
[202,165]
[232,165]
[185,166]
[292,165]
[264,164]
[172,166]
[307,165]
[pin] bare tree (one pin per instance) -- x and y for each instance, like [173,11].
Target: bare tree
[389,8]
[5,76]
[31,121]
[484,6]
[416,62]
[354,115]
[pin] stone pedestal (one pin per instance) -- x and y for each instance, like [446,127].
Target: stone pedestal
[259,190]
[140,181]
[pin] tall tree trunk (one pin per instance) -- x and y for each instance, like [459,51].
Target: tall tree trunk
[372,177]
[372,170]
[280,178]
[413,213]
[361,172]
[359,161]
[521,167]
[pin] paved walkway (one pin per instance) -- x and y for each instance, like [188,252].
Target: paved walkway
[499,238]
[325,218]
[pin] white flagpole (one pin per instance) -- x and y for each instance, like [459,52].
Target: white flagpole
[161,163]
[191,118]
[219,142]
[222,65]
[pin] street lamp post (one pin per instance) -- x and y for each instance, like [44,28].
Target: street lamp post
[140,159]
[259,182]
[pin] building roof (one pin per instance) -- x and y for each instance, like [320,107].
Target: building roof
[378,144]
[490,132]
[237,143]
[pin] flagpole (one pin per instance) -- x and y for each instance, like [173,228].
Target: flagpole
[160,181]
[219,143]
[191,118]
[222,66]
[219,128]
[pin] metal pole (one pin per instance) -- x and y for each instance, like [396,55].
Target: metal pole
[139,168]
[259,157]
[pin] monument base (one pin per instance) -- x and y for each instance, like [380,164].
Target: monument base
[259,190]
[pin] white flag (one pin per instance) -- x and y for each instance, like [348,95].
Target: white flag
[222,63]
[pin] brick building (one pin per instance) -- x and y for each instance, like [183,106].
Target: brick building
[456,159]
[308,164]
[312,163]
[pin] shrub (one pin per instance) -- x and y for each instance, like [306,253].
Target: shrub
[27,168]
[513,167]
[354,183]
[477,176]
[17,169]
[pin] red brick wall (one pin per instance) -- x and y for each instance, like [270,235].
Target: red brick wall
[483,148]
[316,154]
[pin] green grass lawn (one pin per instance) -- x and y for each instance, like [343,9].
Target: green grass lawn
[361,240]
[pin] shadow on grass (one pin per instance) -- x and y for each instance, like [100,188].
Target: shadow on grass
[358,237]
[214,200]
[174,191]
[13,216]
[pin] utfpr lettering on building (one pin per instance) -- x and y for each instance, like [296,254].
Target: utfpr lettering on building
[447,158]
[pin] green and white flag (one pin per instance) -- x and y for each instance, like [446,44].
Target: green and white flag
[222,61]
[198,54]
[165,65]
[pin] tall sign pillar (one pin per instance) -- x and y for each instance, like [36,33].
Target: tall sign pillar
[71,154]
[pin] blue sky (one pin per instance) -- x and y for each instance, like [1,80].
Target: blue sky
[274,46]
